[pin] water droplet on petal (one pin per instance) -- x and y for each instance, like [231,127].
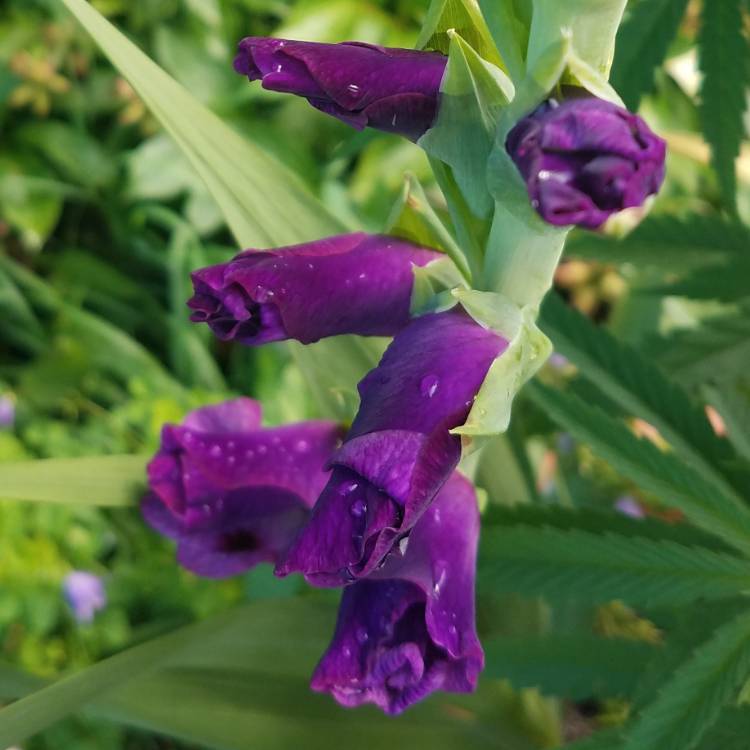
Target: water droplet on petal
[215,451]
[440,573]
[262,294]
[358,508]
[362,635]
[349,487]
[302,446]
[403,545]
[353,88]
[262,450]
[429,385]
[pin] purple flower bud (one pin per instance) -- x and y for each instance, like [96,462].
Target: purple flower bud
[399,451]
[353,283]
[409,629]
[395,90]
[586,159]
[85,595]
[231,493]
[7,412]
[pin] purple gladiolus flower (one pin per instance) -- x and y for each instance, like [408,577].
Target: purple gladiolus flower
[395,90]
[409,628]
[352,283]
[232,493]
[399,451]
[586,159]
[85,595]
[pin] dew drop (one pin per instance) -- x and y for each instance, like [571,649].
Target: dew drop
[215,451]
[429,385]
[278,68]
[302,446]
[403,545]
[262,450]
[262,294]
[362,276]
[441,573]
[358,508]
[353,88]
[249,455]
[347,652]
[349,487]
[362,635]
[231,460]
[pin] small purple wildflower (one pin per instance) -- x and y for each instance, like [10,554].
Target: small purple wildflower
[84,592]
[363,85]
[629,506]
[7,413]
[409,628]
[586,159]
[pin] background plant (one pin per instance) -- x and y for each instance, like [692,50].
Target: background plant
[103,219]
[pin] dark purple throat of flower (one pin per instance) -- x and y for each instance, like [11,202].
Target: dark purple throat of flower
[585,159]
[363,85]
[352,283]
[399,451]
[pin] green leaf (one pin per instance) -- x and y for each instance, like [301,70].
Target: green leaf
[691,702]
[264,203]
[726,282]
[723,52]
[465,18]
[730,732]
[570,666]
[667,243]
[642,390]
[509,22]
[732,401]
[716,351]
[233,683]
[642,44]
[598,521]
[39,710]
[601,567]
[101,480]
[675,483]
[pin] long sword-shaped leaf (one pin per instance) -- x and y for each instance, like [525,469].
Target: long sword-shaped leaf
[96,480]
[263,202]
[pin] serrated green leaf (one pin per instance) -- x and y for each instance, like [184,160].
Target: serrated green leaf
[597,521]
[569,666]
[690,703]
[264,203]
[673,481]
[100,480]
[722,52]
[732,401]
[716,351]
[667,243]
[726,282]
[642,44]
[601,567]
[642,390]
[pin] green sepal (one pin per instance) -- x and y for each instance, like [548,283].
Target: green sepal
[473,94]
[434,285]
[414,219]
[591,25]
[509,22]
[528,349]
[464,17]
